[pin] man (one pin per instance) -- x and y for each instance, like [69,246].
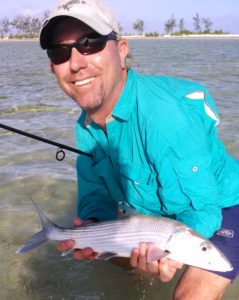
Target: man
[153,142]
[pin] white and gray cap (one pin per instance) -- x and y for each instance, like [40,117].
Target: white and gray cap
[94,13]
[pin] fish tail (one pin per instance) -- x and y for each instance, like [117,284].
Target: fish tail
[40,237]
[35,241]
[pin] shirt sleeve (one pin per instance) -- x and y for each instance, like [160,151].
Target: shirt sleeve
[94,200]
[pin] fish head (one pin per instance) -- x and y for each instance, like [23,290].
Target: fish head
[190,248]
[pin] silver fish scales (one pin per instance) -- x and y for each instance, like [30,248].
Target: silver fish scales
[118,237]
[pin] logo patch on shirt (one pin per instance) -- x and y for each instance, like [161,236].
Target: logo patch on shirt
[226,232]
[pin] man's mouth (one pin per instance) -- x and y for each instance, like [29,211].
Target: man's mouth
[85,81]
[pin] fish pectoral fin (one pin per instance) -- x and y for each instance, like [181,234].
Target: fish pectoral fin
[65,253]
[155,253]
[106,255]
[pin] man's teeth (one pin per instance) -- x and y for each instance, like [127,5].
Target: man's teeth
[82,82]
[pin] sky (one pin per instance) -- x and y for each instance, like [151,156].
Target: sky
[223,13]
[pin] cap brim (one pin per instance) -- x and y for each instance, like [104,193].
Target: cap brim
[47,28]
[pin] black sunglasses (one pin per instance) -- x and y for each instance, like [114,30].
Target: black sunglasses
[91,44]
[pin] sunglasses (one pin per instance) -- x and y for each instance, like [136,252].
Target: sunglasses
[91,44]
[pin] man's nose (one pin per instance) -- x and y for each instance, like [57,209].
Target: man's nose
[77,60]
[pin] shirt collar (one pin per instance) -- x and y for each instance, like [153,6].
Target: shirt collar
[87,121]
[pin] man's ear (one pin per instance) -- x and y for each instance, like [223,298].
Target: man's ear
[123,47]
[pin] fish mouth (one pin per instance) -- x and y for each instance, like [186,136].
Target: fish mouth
[84,81]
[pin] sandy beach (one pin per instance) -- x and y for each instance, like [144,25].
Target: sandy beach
[165,36]
[184,36]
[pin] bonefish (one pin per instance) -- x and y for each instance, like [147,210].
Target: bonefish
[167,237]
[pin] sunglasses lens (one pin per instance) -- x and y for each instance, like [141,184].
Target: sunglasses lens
[91,46]
[59,55]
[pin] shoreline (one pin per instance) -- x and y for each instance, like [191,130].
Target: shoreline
[184,36]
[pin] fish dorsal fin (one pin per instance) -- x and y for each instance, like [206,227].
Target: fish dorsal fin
[155,253]
[106,255]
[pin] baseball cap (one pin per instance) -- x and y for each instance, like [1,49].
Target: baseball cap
[94,13]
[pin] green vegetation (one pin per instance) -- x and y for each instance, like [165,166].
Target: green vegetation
[21,26]
[177,28]
[170,25]
[201,26]
[139,26]
[152,34]
[25,26]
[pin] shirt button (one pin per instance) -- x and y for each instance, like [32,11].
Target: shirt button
[194,168]
[136,183]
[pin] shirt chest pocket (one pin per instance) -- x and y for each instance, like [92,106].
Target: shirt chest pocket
[197,180]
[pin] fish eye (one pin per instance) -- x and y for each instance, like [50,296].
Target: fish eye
[205,246]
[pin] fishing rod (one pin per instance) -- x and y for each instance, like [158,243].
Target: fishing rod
[60,154]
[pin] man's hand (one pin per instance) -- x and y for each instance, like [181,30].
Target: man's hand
[165,268]
[79,254]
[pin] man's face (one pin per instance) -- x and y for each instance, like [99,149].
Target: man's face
[94,81]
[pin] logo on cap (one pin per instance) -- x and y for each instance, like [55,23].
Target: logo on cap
[71,3]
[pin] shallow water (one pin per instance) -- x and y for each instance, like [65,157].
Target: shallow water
[31,100]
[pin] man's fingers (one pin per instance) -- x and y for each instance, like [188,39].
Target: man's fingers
[167,269]
[134,258]
[153,267]
[65,245]
[77,222]
[174,264]
[86,253]
[79,254]
[138,259]
[142,264]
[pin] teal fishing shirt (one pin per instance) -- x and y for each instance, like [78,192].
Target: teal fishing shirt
[160,153]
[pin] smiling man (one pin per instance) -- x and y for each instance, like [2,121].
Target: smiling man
[94,81]
[153,142]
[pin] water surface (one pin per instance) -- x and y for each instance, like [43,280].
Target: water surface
[31,100]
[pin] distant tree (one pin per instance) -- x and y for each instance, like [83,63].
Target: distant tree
[45,15]
[35,25]
[139,26]
[170,25]
[152,34]
[197,23]
[207,24]
[181,25]
[4,26]
[21,24]
[26,25]
[121,28]
[218,31]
